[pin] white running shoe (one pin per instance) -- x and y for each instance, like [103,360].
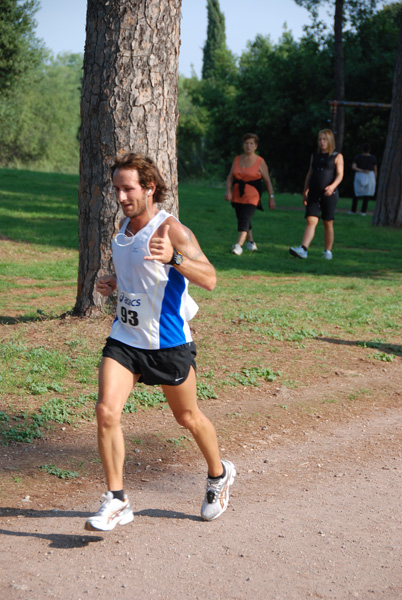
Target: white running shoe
[237,249]
[251,246]
[299,251]
[217,495]
[111,513]
[327,254]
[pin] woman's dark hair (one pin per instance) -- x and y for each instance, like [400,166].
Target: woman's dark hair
[250,136]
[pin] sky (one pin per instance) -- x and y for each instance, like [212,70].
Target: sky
[61,25]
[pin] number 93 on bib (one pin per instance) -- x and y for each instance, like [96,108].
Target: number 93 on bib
[133,309]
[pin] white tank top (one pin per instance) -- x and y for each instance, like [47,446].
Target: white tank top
[153,303]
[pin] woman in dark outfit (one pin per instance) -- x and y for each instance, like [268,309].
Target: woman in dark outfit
[320,194]
[365,167]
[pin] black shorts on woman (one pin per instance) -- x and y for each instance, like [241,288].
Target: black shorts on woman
[323,174]
[322,206]
[165,366]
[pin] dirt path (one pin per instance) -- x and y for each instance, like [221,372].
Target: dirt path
[313,517]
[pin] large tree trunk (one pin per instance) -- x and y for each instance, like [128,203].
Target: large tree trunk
[388,209]
[129,103]
[339,68]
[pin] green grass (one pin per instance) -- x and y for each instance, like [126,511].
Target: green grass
[37,370]
[39,208]
[265,301]
[360,251]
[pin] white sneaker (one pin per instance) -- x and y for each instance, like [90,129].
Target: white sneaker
[111,513]
[362,214]
[299,251]
[217,495]
[327,254]
[251,246]
[237,249]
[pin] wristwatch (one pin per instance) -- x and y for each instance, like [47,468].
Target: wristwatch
[177,258]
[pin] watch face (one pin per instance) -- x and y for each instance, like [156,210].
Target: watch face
[178,258]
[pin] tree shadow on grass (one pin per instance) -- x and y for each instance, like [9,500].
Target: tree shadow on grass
[17,320]
[4,320]
[395,349]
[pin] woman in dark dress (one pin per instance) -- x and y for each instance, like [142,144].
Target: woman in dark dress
[320,195]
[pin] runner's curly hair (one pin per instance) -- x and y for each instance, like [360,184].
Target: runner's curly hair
[148,172]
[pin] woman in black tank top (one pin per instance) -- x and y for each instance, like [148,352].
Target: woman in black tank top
[320,194]
[323,172]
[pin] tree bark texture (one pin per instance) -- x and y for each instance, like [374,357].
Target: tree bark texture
[388,209]
[128,103]
[339,69]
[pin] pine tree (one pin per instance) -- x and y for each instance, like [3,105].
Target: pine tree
[128,104]
[216,38]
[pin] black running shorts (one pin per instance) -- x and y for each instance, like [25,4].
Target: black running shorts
[167,366]
[322,206]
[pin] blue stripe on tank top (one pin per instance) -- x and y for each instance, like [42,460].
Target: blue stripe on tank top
[171,323]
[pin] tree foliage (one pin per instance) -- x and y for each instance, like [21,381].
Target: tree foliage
[191,131]
[284,116]
[40,117]
[355,11]
[20,51]
[213,97]
[39,95]
[281,92]
[370,55]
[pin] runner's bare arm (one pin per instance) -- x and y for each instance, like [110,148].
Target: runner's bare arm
[195,266]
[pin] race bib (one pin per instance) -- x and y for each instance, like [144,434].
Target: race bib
[133,309]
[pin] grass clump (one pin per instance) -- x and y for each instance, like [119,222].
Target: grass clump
[29,425]
[60,473]
[28,430]
[251,376]
[205,391]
